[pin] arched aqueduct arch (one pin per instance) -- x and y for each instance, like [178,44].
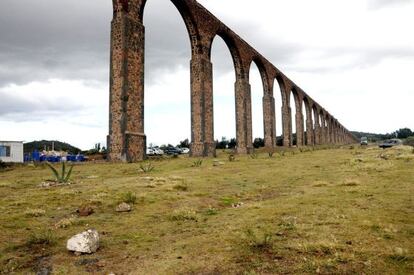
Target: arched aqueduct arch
[127,140]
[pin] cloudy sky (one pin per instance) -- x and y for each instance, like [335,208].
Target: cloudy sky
[355,57]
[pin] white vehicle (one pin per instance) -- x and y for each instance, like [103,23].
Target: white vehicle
[158,151]
[185,150]
[154,151]
[150,151]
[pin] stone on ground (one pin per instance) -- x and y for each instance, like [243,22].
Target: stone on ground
[123,207]
[85,242]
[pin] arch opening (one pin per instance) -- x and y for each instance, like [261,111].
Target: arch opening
[278,95]
[167,111]
[224,97]
[305,106]
[294,109]
[257,92]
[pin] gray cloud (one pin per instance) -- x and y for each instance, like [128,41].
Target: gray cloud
[69,39]
[377,4]
[17,108]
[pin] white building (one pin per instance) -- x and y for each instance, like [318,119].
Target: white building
[11,151]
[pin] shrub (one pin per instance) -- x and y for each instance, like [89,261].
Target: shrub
[181,187]
[197,163]
[34,212]
[3,165]
[63,177]
[261,241]
[129,197]
[409,141]
[211,211]
[41,238]
[184,215]
[146,167]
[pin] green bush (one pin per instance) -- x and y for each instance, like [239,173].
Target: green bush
[41,238]
[129,197]
[409,141]
[197,163]
[63,177]
[259,241]
[146,167]
[3,165]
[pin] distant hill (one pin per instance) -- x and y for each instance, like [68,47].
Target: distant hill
[41,145]
[372,137]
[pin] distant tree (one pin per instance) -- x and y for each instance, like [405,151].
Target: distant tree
[404,133]
[279,141]
[222,144]
[232,144]
[184,144]
[258,142]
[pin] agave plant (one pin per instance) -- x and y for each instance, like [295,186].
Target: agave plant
[63,177]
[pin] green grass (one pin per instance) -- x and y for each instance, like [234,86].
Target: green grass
[329,210]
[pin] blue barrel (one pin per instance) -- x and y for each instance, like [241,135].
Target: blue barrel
[36,156]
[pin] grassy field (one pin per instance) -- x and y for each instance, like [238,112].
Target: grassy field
[340,210]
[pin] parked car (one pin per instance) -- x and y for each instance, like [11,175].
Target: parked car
[154,151]
[364,141]
[158,151]
[185,150]
[150,152]
[172,151]
[390,143]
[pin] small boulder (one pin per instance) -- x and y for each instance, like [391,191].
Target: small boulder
[85,211]
[85,242]
[123,207]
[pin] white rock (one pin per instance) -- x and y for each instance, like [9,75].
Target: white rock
[85,242]
[123,207]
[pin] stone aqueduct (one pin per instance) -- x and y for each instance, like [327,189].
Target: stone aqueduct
[127,141]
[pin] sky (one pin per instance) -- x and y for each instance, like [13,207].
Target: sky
[355,58]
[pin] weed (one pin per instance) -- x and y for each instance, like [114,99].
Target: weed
[197,163]
[227,201]
[254,155]
[45,237]
[65,223]
[181,187]
[3,165]
[211,211]
[232,157]
[63,177]
[184,214]
[34,212]
[128,197]
[288,223]
[146,167]
[270,154]
[259,241]
[319,248]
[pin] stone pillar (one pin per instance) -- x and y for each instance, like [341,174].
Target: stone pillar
[309,128]
[249,120]
[269,121]
[126,139]
[202,119]
[243,116]
[317,132]
[287,125]
[322,131]
[299,127]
